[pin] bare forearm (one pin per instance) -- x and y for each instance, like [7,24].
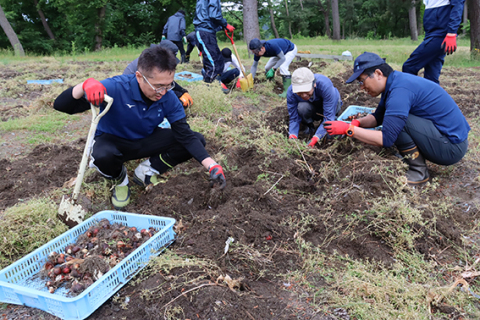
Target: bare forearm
[78,92]
[372,137]
[207,162]
[368,122]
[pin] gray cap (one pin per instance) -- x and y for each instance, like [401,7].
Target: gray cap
[302,80]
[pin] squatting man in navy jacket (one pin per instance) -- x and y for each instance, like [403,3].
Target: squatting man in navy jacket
[418,116]
[441,20]
[129,130]
[311,97]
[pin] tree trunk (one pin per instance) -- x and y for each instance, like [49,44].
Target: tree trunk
[44,21]
[99,28]
[412,18]
[251,29]
[419,20]
[326,16]
[465,18]
[289,22]
[301,4]
[12,36]
[272,21]
[335,20]
[474,13]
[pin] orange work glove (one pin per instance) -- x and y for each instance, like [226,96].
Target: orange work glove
[186,100]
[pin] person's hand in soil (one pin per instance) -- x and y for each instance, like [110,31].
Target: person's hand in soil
[94,91]
[217,177]
[313,142]
[270,74]
[336,127]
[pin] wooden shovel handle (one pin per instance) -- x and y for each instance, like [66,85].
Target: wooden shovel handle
[236,53]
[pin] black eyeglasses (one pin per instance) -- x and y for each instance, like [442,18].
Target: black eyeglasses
[159,89]
[362,82]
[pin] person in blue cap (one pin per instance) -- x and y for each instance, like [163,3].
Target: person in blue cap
[441,20]
[418,116]
[311,97]
[208,21]
[129,130]
[281,53]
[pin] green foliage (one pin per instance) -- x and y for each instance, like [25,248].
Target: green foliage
[27,226]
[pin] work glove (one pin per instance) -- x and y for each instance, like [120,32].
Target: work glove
[163,37]
[94,91]
[355,123]
[336,127]
[270,73]
[186,100]
[292,136]
[184,40]
[313,142]
[238,83]
[217,177]
[450,44]
[230,28]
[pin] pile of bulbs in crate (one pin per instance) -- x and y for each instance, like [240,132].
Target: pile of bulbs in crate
[95,252]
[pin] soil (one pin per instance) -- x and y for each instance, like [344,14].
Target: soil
[255,217]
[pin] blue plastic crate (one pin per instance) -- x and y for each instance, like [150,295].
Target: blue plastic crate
[188,76]
[44,81]
[19,283]
[352,110]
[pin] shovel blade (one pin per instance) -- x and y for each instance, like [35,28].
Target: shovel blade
[250,81]
[244,84]
[70,213]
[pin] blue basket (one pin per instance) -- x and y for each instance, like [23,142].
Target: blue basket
[20,284]
[188,76]
[352,110]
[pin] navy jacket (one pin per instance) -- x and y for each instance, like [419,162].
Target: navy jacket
[175,27]
[325,92]
[408,94]
[442,17]
[208,16]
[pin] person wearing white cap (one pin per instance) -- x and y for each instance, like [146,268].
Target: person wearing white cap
[311,97]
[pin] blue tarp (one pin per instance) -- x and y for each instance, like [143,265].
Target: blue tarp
[44,81]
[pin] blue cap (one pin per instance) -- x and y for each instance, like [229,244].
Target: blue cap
[364,61]
[256,44]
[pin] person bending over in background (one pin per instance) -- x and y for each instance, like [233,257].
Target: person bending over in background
[281,53]
[441,20]
[311,97]
[174,30]
[417,115]
[181,93]
[208,21]
[191,43]
[129,130]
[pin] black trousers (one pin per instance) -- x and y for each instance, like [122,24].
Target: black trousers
[179,44]
[431,143]
[190,48]
[213,62]
[110,152]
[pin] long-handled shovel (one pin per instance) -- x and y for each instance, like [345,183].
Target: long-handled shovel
[247,81]
[69,211]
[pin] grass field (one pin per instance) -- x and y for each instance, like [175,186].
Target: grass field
[328,233]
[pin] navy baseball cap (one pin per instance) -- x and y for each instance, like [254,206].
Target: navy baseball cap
[364,61]
[227,54]
[256,44]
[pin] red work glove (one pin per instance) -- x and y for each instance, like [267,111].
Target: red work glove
[336,127]
[186,100]
[292,136]
[238,83]
[355,123]
[230,28]
[94,90]
[217,176]
[450,44]
[313,142]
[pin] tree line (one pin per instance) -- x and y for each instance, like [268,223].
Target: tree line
[49,26]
